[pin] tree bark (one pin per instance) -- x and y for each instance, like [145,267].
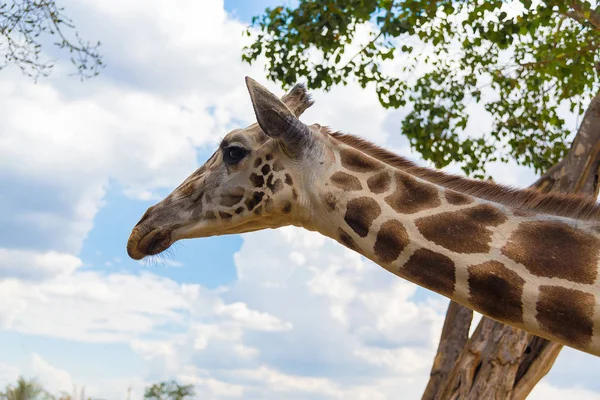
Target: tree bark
[498,361]
[455,335]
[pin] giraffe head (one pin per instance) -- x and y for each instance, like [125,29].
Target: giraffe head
[253,181]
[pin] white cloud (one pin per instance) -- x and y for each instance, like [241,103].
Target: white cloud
[58,381]
[8,374]
[31,265]
[398,360]
[90,307]
[174,83]
[74,146]
[51,378]
[251,319]
[175,327]
[546,391]
[210,388]
[278,382]
[345,357]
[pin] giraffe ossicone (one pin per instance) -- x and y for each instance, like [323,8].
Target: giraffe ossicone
[527,259]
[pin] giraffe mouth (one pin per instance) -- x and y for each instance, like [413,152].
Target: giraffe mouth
[154,242]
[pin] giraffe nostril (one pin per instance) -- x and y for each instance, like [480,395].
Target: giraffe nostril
[155,242]
[148,241]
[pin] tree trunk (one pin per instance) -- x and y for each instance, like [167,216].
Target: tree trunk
[498,361]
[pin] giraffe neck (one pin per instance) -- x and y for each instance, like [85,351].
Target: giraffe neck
[534,271]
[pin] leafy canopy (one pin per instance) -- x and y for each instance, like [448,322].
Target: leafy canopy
[519,59]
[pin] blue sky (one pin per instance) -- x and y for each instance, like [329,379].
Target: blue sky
[268,315]
[245,10]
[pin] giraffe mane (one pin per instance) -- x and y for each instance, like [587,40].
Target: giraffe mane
[558,204]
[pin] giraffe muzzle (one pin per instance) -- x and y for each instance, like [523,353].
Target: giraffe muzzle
[150,243]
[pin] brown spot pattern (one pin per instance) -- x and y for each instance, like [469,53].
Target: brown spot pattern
[379,183]
[254,200]
[269,157]
[265,169]
[392,238]
[287,207]
[358,162]
[345,181]
[277,166]
[432,270]
[257,180]
[276,186]
[346,239]
[239,210]
[555,250]
[456,198]
[412,196]
[257,162]
[566,314]
[288,180]
[496,291]
[224,215]
[268,204]
[210,215]
[464,231]
[331,201]
[360,214]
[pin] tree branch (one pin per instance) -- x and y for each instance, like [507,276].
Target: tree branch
[454,337]
[578,13]
[24,22]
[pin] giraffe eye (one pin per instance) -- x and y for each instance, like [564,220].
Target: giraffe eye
[234,154]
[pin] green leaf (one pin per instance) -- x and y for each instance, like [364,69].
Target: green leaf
[528,64]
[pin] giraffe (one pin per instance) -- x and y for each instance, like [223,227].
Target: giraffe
[526,259]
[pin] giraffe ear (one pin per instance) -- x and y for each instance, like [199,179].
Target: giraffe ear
[277,120]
